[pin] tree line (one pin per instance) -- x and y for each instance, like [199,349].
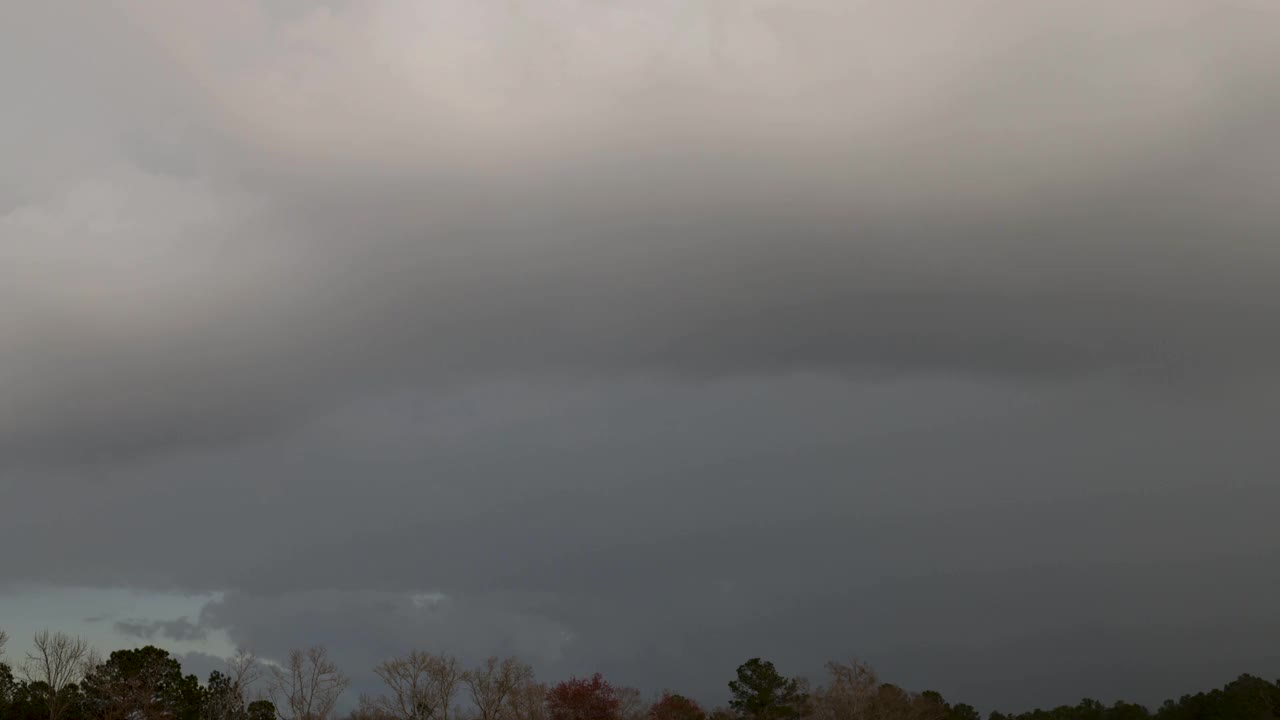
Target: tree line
[62,678]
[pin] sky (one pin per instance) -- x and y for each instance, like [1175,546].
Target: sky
[646,338]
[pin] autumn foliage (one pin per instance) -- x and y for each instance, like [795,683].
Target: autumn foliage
[676,707]
[583,699]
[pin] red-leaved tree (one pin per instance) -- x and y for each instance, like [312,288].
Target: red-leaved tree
[676,707]
[583,699]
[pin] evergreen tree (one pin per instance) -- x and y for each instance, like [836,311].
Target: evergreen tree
[762,693]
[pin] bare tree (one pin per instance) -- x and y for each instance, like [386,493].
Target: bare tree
[226,696]
[308,686]
[631,704]
[244,670]
[412,681]
[4,638]
[58,661]
[528,702]
[849,693]
[854,692]
[92,659]
[422,687]
[492,684]
[367,710]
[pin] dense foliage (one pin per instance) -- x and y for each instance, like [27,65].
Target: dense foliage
[62,679]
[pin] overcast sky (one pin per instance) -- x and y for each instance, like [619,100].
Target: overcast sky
[648,337]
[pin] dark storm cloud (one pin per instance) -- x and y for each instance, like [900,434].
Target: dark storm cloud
[921,307]
[625,530]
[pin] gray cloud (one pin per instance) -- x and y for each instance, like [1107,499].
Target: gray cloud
[820,217]
[574,317]
[182,629]
[203,664]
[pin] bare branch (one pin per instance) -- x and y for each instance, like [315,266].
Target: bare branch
[854,692]
[631,705]
[492,684]
[422,687]
[244,669]
[527,702]
[92,659]
[58,661]
[308,687]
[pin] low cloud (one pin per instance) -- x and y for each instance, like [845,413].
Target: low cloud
[181,630]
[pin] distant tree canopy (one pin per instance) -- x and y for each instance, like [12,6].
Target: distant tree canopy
[1246,698]
[63,679]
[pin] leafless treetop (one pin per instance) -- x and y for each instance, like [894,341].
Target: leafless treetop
[421,686]
[57,660]
[493,683]
[308,686]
